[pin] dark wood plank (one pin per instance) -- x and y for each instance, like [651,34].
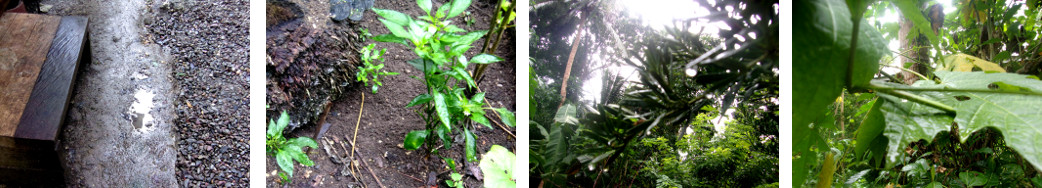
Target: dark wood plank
[24,42]
[42,119]
[29,163]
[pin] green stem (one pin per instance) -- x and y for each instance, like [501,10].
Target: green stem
[912,97]
[856,18]
[921,77]
[965,90]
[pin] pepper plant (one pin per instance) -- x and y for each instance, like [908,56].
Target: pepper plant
[367,70]
[441,47]
[287,150]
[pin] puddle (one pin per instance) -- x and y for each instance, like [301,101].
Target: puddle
[141,108]
[138,76]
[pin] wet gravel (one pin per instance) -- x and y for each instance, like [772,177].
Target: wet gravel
[208,40]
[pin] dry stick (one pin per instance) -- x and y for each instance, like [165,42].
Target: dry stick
[497,116]
[366,165]
[354,173]
[413,178]
[359,121]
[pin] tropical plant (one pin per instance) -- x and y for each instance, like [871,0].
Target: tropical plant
[652,128]
[367,70]
[286,151]
[965,122]
[498,167]
[440,47]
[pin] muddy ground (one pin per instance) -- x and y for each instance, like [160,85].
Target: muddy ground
[163,101]
[101,146]
[385,120]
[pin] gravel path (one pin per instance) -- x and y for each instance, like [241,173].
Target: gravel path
[211,73]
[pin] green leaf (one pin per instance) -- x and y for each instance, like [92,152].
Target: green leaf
[302,142]
[450,162]
[285,162]
[396,29]
[442,109]
[421,99]
[414,139]
[300,157]
[281,123]
[485,59]
[498,167]
[458,6]
[390,38]
[470,145]
[871,128]
[392,16]
[557,150]
[465,76]
[425,5]
[1015,114]
[566,115]
[911,10]
[480,118]
[506,116]
[469,38]
[972,178]
[441,11]
[822,70]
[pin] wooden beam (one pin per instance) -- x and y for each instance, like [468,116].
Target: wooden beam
[49,99]
[24,43]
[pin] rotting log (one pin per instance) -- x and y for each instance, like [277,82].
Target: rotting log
[307,68]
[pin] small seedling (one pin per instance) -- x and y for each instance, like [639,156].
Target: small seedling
[287,150]
[457,178]
[365,34]
[368,70]
[456,181]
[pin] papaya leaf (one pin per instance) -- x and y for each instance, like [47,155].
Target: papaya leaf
[821,70]
[1014,114]
[498,167]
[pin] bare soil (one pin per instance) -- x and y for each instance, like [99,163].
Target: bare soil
[385,120]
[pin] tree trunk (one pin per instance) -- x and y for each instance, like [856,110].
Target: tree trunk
[571,57]
[915,50]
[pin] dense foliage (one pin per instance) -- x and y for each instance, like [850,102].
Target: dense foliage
[954,117]
[656,127]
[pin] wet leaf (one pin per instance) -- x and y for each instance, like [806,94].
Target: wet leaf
[506,116]
[470,146]
[485,59]
[421,99]
[442,110]
[458,6]
[498,167]
[1015,115]
[285,162]
[414,139]
[425,5]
